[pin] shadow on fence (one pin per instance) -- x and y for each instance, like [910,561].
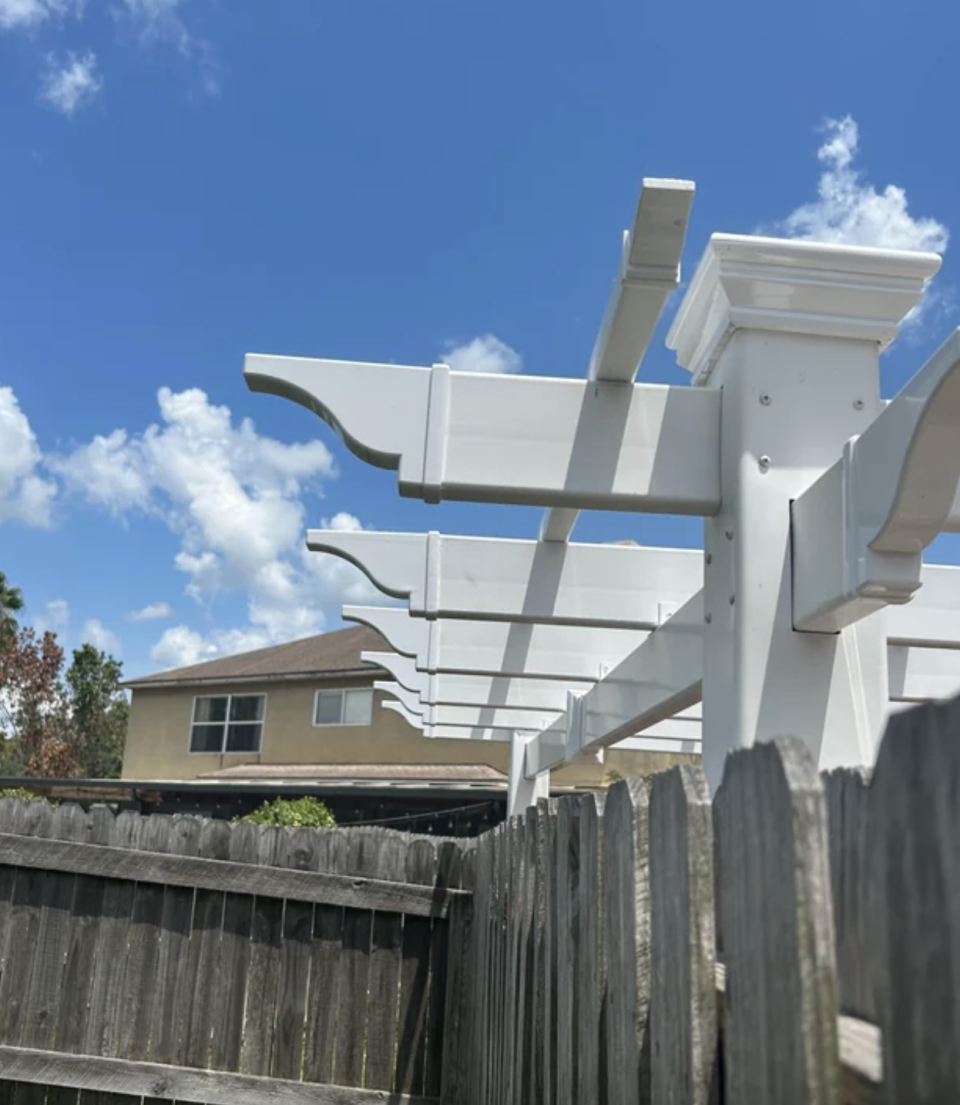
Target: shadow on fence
[796,940]
[665,948]
[173,958]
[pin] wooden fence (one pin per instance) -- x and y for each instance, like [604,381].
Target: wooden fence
[754,950]
[164,958]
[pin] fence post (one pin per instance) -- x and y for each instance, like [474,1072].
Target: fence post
[683,1001]
[780,1020]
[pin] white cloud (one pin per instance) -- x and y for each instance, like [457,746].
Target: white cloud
[159,21]
[483,354]
[71,84]
[849,209]
[25,495]
[55,616]
[31,13]
[181,646]
[234,499]
[153,611]
[103,639]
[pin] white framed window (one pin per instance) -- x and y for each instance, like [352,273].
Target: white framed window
[346,707]
[227,723]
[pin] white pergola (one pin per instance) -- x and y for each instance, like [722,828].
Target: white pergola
[809,609]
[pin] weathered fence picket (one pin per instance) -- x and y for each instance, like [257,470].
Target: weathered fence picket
[627,940]
[914,841]
[591,983]
[648,946]
[683,1001]
[129,946]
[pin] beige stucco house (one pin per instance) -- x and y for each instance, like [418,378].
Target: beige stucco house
[278,711]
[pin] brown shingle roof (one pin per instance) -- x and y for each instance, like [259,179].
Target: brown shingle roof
[336,653]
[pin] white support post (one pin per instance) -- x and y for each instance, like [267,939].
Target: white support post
[791,332]
[521,791]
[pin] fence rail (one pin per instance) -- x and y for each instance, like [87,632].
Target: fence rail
[173,958]
[795,940]
[757,948]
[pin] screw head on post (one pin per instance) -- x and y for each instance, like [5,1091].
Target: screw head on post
[765,400]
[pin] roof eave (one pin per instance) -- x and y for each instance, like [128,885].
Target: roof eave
[150,681]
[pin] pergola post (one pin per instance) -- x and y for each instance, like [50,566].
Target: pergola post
[791,334]
[521,791]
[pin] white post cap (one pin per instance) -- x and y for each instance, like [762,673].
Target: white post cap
[794,287]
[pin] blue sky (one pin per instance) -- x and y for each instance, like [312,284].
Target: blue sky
[183,181]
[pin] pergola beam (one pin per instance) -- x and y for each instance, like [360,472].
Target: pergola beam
[498,648]
[530,440]
[621,586]
[476,690]
[648,273]
[657,680]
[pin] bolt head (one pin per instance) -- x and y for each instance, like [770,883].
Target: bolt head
[765,400]
[708,618]
[858,404]
[728,534]
[764,463]
[708,558]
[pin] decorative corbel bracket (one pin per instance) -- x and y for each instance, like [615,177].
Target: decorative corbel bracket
[859,532]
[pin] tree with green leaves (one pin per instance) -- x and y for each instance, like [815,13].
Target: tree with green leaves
[11,602]
[98,712]
[56,725]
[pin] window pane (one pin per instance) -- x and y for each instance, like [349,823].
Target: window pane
[244,738]
[210,709]
[356,709]
[248,707]
[206,738]
[329,707]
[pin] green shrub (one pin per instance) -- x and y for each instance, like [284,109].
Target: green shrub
[22,793]
[297,813]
